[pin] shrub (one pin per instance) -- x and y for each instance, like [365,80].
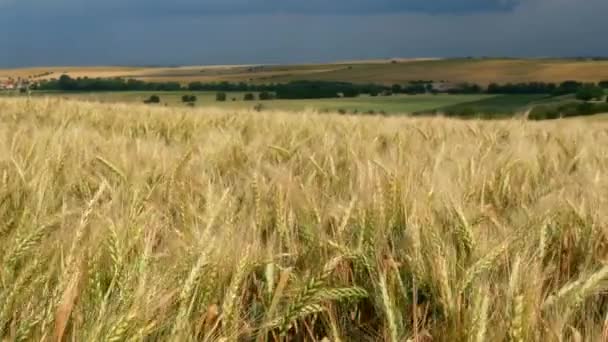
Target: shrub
[188,98]
[589,92]
[584,109]
[249,97]
[220,97]
[153,99]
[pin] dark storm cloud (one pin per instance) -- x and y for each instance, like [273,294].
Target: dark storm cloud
[211,7]
[47,32]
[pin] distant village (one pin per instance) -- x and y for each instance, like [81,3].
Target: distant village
[20,84]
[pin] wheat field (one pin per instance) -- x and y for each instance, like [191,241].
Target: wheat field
[481,71]
[133,223]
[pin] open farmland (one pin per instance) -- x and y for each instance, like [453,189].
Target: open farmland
[129,222]
[396,104]
[479,71]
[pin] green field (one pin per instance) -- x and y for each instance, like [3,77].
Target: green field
[498,104]
[397,104]
[454,105]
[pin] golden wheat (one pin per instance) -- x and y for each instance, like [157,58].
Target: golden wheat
[130,222]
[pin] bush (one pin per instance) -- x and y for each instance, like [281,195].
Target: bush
[567,110]
[221,97]
[589,92]
[153,99]
[249,97]
[584,109]
[188,98]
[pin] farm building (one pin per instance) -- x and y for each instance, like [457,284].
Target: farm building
[8,85]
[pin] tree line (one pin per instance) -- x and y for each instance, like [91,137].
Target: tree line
[323,89]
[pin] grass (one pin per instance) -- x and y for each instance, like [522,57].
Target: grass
[125,222]
[397,104]
[499,104]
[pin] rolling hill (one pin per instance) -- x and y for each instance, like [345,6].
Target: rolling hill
[480,71]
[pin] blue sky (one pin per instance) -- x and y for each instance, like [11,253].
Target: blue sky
[154,32]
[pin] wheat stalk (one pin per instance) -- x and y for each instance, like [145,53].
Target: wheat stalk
[388,309]
[230,306]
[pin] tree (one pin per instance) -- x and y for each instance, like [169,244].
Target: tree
[567,87]
[153,99]
[221,97]
[589,92]
[350,92]
[249,97]
[414,88]
[66,83]
[396,88]
[195,86]
[265,96]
